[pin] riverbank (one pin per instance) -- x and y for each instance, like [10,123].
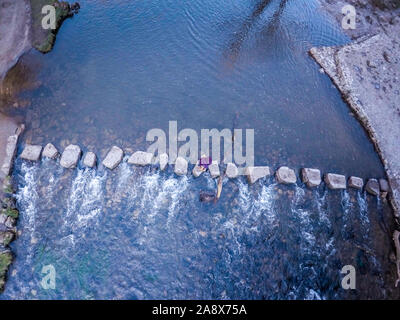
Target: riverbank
[367,73]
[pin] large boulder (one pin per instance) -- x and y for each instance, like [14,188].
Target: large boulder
[113,158]
[356,183]
[163,158]
[50,151]
[335,181]
[311,177]
[70,156]
[31,152]
[231,171]
[90,160]
[286,175]
[255,173]
[140,158]
[181,166]
[372,187]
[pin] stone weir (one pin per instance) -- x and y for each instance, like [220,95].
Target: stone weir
[72,157]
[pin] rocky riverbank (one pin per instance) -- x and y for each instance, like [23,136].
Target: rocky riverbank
[367,73]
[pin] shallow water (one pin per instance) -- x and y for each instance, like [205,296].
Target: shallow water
[120,69]
[136,233]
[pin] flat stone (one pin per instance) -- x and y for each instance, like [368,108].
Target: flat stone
[50,151]
[11,148]
[214,169]
[140,158]
[311,177]
[197,170]
[384,185]
[231,171]
[335,181]
[286,175]
[90,160]
[163,158]
[181,166]
[255,173]
[356,183]
[113,158]
[31,152]
[70,156]
[372,187]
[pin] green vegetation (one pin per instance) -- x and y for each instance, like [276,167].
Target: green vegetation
[43,40]
[7,185]
[5,261]
[13,213]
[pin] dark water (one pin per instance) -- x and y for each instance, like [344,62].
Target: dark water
[119,69]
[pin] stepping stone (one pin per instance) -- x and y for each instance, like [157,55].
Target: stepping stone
[90,160]
[286,175]
[372,187]
[231,171]
[197,170]
[113,158]
[31,152]
[50,151]
[335,181]
[11,149]
[255,173]
[384,186]
[214,169]
[140,158]
[356,183]
[311,177]
[181,166]
[70,156]
[163,161]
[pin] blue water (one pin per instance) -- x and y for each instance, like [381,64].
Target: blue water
[121,68]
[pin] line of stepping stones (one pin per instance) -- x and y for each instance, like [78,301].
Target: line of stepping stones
[311,177]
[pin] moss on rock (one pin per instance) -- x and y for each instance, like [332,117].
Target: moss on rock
[5,261]
[43,40]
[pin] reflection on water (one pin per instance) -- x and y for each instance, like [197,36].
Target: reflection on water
[121,68]
[138,233]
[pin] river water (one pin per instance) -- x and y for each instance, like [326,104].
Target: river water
[122,68]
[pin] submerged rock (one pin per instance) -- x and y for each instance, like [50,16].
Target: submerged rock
[255,173]
[181,166]
[140,158]
[207,196]
[372,187]
[113,158]
[70,156]
[231,171]
[335,181]
[286,175]
[90,160]
[356,183]
[31,152]
[163,158]
[311,177]
[50,151]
